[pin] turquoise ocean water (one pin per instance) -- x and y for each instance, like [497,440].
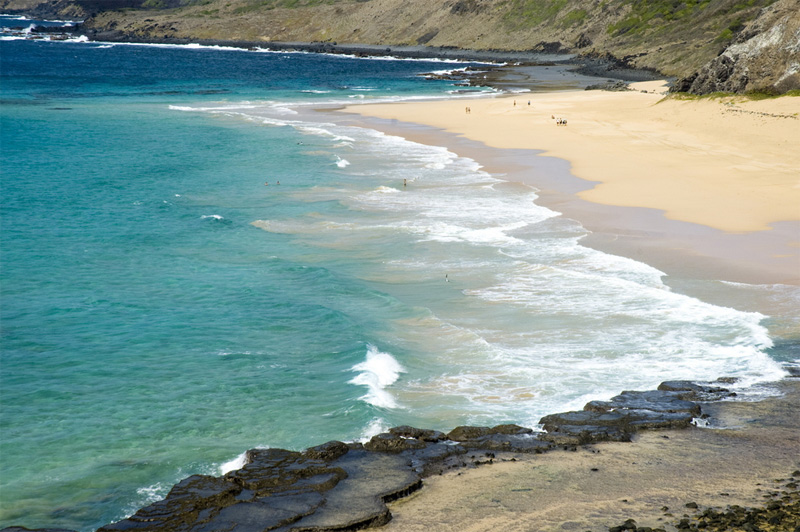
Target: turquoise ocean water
[163,310]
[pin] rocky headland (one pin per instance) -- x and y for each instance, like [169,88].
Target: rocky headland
[726,45]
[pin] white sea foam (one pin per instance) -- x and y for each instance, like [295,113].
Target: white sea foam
[152,493]
[233,465]
[342,163]
[23,17]
[447,72]
[376,426]
[212,216]
[378,371]
[538,323]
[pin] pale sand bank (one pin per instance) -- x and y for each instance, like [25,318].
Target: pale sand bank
[720,170]
[559,490]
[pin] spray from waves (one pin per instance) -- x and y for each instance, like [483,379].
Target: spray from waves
[378,371]
[375,427]
[233,465]
[342,163]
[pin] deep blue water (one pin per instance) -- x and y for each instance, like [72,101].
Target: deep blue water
[163,310]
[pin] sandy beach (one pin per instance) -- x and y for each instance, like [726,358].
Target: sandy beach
[711,185]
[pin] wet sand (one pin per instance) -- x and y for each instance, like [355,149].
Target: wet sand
[752,445]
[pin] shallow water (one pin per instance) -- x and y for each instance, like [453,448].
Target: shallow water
[164,310]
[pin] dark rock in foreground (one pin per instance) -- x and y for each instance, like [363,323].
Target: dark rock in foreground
[339,486]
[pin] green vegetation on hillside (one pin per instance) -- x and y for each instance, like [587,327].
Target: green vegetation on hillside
[257,5]
[646,13]
[649,14]
[521,13]
[574,18]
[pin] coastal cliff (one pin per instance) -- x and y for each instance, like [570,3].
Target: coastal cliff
[729,45]
[764,57]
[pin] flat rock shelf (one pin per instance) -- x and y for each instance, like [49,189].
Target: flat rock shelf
[346,486]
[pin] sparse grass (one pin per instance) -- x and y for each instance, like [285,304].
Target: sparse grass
[645,13]
[732,29]
[648,14]
[521,13]
[258,5]
[573,18]
[690,96]
[749,96]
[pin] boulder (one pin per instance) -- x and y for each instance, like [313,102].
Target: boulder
[390,443]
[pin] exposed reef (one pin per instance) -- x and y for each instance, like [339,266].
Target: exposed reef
[345,486]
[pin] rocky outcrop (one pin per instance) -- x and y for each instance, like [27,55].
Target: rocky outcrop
[671,406]
[765,57]
[345,486]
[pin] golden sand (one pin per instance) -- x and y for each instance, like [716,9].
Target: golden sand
[727,163]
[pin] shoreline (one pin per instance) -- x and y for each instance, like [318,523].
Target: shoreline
[759,246]
[746,458]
